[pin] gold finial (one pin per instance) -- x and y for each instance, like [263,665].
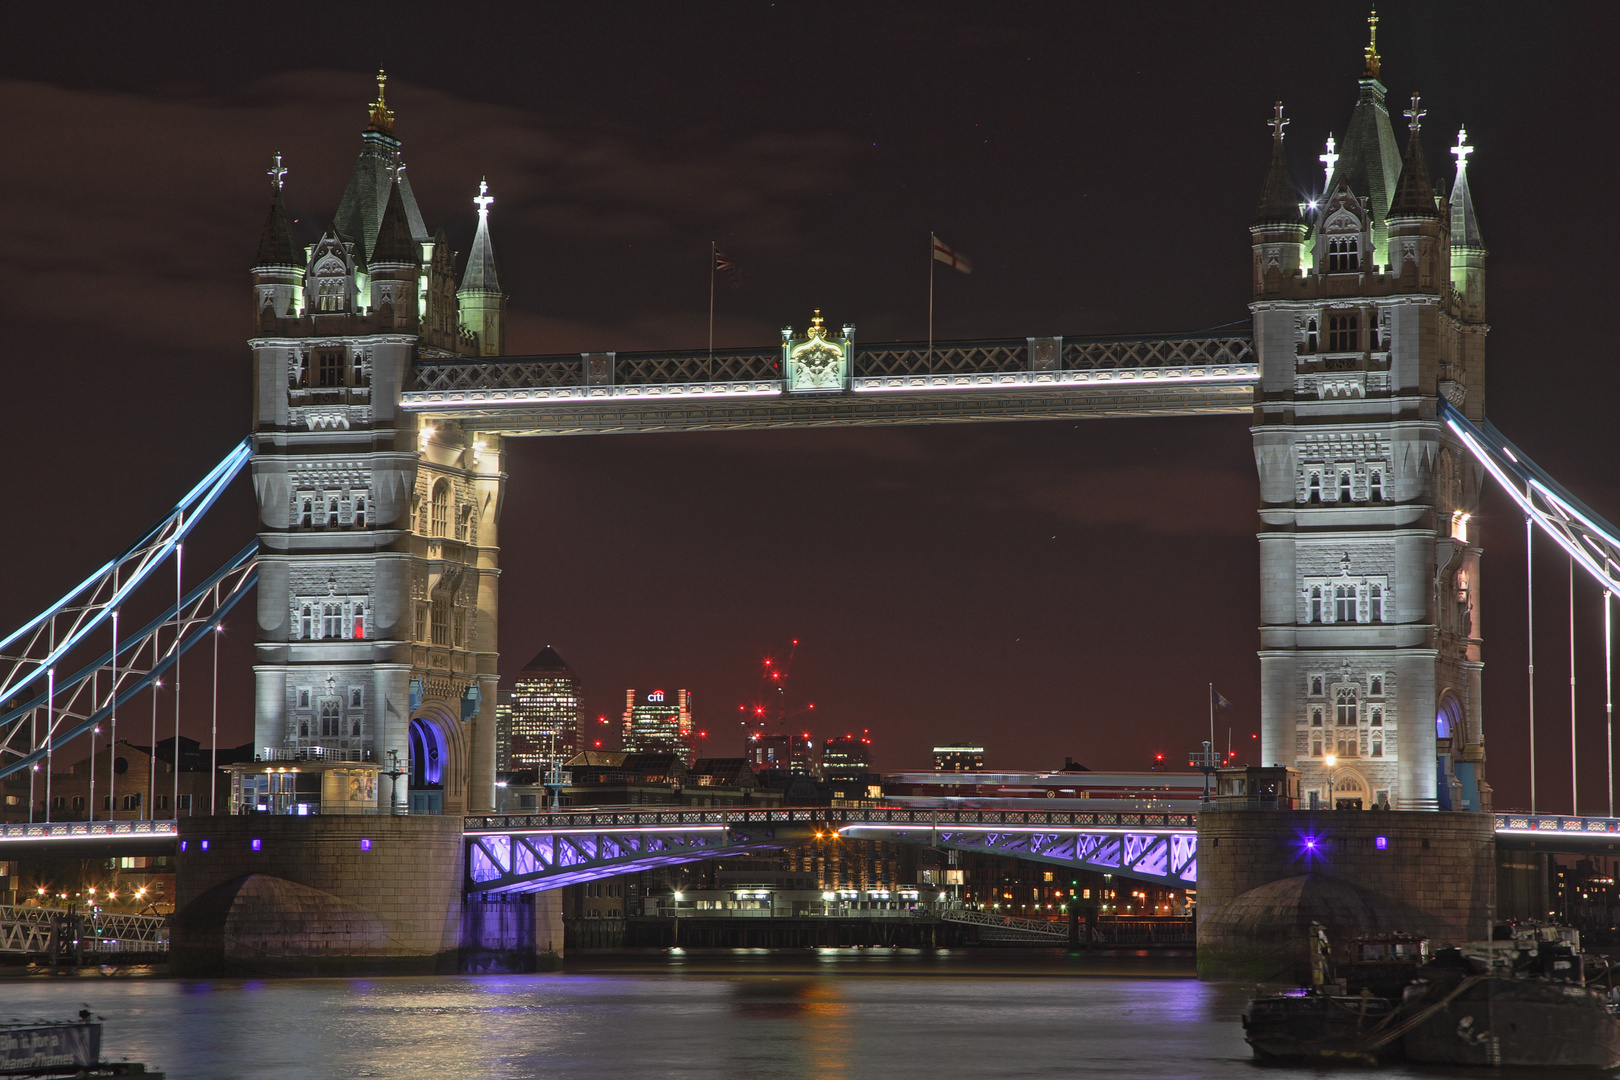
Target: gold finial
[1371,51]
[382,117]
[816,329]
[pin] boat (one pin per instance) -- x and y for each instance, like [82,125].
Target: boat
[61,1049]
[1347,1013]
[1523,1001]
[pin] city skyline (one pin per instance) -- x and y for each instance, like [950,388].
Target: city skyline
[1011,577]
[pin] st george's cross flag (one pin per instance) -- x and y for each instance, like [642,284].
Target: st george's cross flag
[948,255]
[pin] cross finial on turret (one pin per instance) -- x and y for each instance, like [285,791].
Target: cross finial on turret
[483,199]
[1462,149]
[1277,123]
[1329,159]
[1371,51]
[277,171]
[1414,115]
[397,170]
[382,117]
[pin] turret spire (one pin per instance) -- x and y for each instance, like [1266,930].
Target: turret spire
[1328,160]
[1464,225]
[1414,193]
[480,275]
[1279,202]
[275,242]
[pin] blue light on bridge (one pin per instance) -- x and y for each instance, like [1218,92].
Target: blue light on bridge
[1380,842]
[256,844]
[365,844]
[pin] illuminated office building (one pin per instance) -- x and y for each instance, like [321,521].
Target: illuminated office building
[545,715]
[656,722]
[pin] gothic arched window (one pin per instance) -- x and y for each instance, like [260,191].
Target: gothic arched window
[306,624]
[306,518]
[332,513]
[1316,718]
[1344,708]
[360,512]
[1344,487]
[1310,335]
[1344,254]
[1316,681]
[1344,603]
[1377,745]
[329,719]
[354,728]
[441,620]
[331,620]
[1375,486]
[1377,681]
[1313,488]
[441,508]
[359,621]
[1378,718]
[1316,616]
[1375,613]
[303,729]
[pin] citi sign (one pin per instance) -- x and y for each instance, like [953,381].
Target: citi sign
[656,695]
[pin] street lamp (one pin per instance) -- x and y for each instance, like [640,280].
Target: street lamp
[1330,761]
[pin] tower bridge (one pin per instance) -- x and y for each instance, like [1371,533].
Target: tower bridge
[383,396]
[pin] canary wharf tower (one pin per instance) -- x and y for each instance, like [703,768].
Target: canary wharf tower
[378,572]
[1369,306]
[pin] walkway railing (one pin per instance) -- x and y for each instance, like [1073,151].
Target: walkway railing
[1556,824]
[618,817]
[87,830]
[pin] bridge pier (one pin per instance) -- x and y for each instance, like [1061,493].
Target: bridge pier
[1265,875]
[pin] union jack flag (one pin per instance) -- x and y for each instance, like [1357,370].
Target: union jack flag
[724,264]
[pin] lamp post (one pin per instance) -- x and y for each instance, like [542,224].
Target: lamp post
[1330,761]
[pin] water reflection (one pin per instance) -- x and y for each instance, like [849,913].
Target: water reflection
[815,1015]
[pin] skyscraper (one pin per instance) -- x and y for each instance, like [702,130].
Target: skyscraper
[658,722]
[846,757]
[545,714]
[503,731]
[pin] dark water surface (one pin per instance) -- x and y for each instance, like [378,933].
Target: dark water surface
[834,1013]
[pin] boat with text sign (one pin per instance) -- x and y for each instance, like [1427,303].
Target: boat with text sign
[46,1049]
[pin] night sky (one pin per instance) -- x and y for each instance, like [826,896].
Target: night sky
[1050,589]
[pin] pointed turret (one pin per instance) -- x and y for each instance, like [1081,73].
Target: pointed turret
[1467,245]
[1369,160]
[376,173]
[278,268]
[396,267]
[1415,229]
[1414,192]
[483,305]
[1278,230]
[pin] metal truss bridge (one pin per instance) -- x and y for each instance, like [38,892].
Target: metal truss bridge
[535,852]
[1038,378]
[59,933]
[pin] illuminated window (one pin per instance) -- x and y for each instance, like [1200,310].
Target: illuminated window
[1344,708]
[329,294]
[441,508]
[359,624]
[1316,617]
[329,719]
[1342,332]
[1375,613]
[1344,254]
[1344,603]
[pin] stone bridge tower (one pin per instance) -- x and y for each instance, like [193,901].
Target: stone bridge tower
[378,566]
[1369,305]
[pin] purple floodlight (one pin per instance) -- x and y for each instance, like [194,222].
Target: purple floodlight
[1380,842]
[256,844]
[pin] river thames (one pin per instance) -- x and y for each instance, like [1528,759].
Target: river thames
[818,1015]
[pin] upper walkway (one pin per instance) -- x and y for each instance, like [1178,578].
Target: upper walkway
[1033,378]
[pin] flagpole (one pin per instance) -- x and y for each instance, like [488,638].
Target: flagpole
[1211,720]
[712,250]
[933,242]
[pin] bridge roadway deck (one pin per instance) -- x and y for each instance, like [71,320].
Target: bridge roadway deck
[87,839]
[891,383]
